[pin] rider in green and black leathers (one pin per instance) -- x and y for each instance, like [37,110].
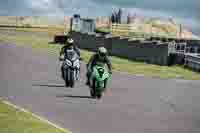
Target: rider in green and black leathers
[100,57]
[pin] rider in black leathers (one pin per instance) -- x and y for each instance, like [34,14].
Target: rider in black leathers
[69,45]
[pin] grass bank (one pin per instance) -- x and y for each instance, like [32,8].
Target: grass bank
[133,67]
[15,121]
[51,30]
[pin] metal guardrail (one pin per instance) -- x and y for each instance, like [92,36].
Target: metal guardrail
[192,61]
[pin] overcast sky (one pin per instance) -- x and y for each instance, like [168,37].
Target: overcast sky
[185,11]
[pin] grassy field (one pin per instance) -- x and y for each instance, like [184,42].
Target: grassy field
[15,121]
[104,29]
[51,30]
[122,65]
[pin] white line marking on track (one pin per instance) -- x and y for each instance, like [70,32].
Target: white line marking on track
[34,115]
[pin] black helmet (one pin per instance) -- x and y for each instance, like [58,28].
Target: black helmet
[69,42]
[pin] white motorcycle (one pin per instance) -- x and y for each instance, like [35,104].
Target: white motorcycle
[71,65]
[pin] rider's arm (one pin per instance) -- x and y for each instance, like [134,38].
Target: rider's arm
[109,64]
[77,50]
[91,61]
[62,51]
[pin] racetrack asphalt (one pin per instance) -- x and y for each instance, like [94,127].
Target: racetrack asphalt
[132,104]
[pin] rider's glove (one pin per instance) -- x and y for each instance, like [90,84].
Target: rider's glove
[61,58]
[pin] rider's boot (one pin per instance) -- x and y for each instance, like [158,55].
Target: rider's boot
[87,78]
[87,82]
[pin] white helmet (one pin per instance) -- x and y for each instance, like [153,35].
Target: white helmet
[102,52]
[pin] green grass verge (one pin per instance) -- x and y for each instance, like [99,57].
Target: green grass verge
[119,64]
[15,121]
[103,29]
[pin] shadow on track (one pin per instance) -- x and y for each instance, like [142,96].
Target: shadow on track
[48,85]
[71,96]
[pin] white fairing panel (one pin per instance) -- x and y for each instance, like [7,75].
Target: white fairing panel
[77,63]
[68,63]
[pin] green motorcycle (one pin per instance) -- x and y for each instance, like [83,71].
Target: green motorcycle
[98,79]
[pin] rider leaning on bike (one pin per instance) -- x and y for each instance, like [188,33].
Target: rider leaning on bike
[100,57]
[68,46]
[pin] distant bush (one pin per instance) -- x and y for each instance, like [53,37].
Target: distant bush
[27,26]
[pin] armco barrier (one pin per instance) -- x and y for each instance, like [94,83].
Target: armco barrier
[193,61]
[144,51]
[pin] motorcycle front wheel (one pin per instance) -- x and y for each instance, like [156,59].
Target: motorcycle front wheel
[66,78]
[72,78]
[93,88]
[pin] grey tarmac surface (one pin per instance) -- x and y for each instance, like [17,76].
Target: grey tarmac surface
[132,105]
